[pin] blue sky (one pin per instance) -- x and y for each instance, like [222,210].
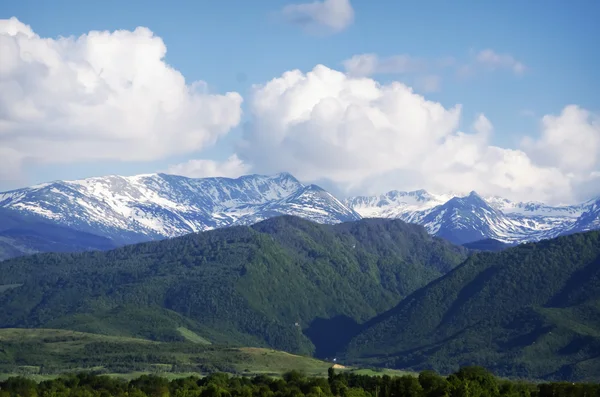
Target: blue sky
[232,45]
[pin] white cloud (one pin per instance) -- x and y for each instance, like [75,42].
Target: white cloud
[363,65]
[570,141]
[483,126]
[233,167]
[101,96]
[492,60]
[363,136]
[331,15]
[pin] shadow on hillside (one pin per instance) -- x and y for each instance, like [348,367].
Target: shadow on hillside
[330,336]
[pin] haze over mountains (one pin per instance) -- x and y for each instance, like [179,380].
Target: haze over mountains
[155,206]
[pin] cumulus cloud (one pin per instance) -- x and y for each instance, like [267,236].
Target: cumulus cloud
[101,96]
[569,141]
[366,137]
[328,15]
[233,167]
[492,60]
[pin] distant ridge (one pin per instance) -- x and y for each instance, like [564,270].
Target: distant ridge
[470,218]
[155,206]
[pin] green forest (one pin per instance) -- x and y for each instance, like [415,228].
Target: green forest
[468,381]
[373,293]
[532,310]
[285,283]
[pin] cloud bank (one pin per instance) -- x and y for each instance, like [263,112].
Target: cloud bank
[100,96]
[366,137]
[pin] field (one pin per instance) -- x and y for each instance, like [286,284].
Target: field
[42,353]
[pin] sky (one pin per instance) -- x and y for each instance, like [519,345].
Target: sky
[360,97]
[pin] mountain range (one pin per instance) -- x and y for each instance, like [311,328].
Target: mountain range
[377,292]
[471,218]
[150,207]
[140,208]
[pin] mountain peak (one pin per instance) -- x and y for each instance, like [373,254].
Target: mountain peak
[286,176]
[314,188]
[472,199]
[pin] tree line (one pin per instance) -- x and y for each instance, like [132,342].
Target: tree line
[467,382]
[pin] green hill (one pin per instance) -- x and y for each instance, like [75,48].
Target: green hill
[52,351]
[528,311]
[284,283]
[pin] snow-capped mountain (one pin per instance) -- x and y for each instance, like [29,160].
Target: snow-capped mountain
[144,207]
[408,206]
[155,206]
[471,218]
[589,219]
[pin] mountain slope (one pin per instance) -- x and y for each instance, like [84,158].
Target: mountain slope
[309,202]
[148,207]
[589,219]
[278,283]
[26,234]
[528,311]
[466,219]
[408,206]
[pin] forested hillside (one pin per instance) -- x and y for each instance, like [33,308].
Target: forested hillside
[531,311]
[286,283]
[528,311]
